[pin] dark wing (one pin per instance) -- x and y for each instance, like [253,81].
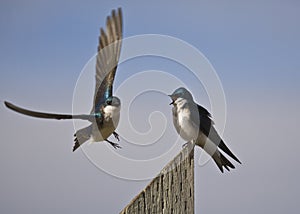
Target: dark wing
[206,126]
[204,112]
[108,57]
[47,115]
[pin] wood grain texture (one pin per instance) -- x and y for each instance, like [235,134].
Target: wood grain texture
[171,191]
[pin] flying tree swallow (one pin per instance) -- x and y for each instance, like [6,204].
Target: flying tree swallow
[194,123]
[105,114]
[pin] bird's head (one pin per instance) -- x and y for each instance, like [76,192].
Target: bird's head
[180,93]
[113,101]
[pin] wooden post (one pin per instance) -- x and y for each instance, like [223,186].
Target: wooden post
[171,191]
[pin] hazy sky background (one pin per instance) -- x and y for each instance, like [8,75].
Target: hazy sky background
[254,48]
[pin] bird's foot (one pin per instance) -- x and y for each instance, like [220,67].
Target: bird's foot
[184,145]
[116,136]
[115,145]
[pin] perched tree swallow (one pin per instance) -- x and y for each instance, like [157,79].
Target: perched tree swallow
[105,114]
[194,123]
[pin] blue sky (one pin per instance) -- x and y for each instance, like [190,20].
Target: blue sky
[254,48]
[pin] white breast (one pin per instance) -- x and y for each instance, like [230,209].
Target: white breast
[110,123]
[112,114]
[183,122]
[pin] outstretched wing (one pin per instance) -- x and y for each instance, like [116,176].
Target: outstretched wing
[48,115]
[107,58]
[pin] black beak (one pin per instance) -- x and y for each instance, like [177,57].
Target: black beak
[172,100]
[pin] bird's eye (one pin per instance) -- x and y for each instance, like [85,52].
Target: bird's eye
[108,102]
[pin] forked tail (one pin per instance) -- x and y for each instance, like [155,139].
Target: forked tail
[222,161]
[81,136]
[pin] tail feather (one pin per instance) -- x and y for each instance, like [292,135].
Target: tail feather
[227,151]
[81,136]
[214,137]
[222,161]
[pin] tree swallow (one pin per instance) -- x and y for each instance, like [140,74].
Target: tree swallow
[105,114]
[194,123]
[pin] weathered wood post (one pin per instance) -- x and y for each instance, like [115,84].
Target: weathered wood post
[171,191]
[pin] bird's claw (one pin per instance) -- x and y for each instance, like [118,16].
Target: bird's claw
[116,135]
[184,145]
[189,144]
[115,145]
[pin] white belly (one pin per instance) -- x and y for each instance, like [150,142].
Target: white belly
[185,126]
[106,130]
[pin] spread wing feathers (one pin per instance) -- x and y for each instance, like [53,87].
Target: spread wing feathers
[48,115]
[108,57]
[206,126]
